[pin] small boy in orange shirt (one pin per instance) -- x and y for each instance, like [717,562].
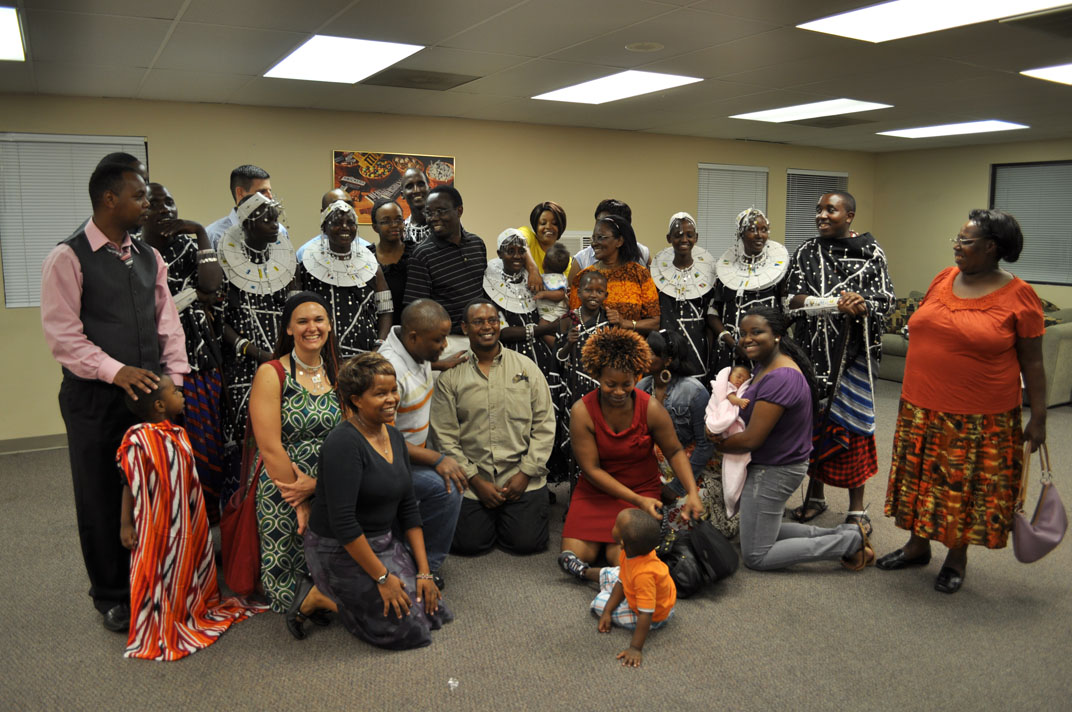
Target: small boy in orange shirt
[638,595]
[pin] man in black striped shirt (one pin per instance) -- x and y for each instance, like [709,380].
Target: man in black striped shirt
[448,266]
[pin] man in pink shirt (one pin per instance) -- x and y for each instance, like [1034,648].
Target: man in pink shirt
[109,320]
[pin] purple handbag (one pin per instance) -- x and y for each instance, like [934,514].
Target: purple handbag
[1032,539]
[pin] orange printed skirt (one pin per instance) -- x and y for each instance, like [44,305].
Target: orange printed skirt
[955,478]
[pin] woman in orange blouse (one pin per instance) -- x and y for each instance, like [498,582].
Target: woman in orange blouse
[958,448]
[632,299]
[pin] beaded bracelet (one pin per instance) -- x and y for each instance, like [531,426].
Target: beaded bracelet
[384,303]
[425,577]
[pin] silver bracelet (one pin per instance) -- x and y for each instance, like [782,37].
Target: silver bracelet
[724,332]
[240,346]
[530,330]
[384,302]
[208,251]
[207,260]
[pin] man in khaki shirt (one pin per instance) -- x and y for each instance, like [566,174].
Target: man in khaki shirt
[493,415]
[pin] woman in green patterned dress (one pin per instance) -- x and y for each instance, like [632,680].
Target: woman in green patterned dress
[292,406]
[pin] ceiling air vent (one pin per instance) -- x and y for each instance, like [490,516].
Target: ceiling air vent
[417,79]
[1054,22]
[830,122]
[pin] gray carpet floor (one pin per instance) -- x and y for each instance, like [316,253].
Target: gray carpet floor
[815,637]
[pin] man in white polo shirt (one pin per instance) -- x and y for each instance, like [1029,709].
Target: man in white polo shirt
[438,480]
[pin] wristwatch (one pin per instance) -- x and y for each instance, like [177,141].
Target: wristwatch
[383,579]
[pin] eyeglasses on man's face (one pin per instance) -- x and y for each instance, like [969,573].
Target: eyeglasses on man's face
[438,212]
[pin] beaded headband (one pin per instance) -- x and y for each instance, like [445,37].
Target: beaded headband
[509,235]
[250,205]
[339,206]
[680,216]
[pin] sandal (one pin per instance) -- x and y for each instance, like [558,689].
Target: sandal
[294,618]
[808,511]
[864,556]
[862,518]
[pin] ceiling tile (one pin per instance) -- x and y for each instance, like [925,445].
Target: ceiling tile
[209,48]
[159,9]
[537,29]
[417,21]
[680,32]
[304,16]
[179,85]
[17,77]
[783,12]
[102,40]
[82,79]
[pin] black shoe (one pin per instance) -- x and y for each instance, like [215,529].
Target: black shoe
[117,618]
[949,580]
[897,560]
[438,581]
[294,617]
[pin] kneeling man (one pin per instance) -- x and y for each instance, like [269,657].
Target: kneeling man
[493,415]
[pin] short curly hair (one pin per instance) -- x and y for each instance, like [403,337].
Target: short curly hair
[616,348]
[359,373]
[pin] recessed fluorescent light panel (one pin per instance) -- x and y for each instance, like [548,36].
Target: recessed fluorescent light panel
[1062,73]
[970,127]
[340,59]
[617,86]
[905,18]
[801,112]
[10,36]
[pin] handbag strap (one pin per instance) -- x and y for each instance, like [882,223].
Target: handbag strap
[249,442]
[1046,477]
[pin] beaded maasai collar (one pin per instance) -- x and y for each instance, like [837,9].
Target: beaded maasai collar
[739,272]
[354,272]
[690,283]
[267,277]
[512,296]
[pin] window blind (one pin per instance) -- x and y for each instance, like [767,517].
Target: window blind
[44,198]
[803,188]
[1039,196]
[724,191]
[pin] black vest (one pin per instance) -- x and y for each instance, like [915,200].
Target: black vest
[119,302]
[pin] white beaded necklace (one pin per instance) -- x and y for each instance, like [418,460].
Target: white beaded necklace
[315,373]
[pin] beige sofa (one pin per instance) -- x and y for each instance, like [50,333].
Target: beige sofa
[1056,348]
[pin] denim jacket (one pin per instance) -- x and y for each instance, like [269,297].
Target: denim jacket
[686,400]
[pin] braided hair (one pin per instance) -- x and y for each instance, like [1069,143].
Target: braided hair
[778,325]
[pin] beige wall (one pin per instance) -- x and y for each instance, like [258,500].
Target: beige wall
[503,169]
[923,197]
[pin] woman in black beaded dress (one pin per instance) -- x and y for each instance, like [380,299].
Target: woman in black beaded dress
[345,273]
[259,271]
[194,276]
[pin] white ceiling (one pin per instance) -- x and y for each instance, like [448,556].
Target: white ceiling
[749,53]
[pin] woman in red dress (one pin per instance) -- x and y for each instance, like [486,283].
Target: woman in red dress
[614,429]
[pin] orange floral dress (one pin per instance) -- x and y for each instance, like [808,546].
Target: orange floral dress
[630,290]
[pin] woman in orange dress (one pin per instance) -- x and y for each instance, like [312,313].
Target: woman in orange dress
[632,300]
[958,448]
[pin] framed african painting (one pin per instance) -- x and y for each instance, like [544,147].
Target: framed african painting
[369,176]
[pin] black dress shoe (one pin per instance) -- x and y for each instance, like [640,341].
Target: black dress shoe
[897,560]
[117,618]
[949,580]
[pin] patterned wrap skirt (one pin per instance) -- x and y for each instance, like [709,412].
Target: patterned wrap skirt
[845,466]
[342,579]
[955,478]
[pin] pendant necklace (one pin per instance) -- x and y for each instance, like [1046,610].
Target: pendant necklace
[315,373]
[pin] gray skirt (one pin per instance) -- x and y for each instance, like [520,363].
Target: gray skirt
[341,579]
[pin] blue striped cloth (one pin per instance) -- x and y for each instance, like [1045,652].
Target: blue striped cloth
[854,405]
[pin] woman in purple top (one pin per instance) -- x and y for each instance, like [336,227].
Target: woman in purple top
[778,428]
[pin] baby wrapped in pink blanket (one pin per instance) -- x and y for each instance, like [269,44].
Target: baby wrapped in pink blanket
[722,417]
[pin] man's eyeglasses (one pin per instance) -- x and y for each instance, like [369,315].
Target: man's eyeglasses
[438,212]
[482,322]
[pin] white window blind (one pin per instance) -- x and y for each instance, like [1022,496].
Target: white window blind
[1039,196]
[724,191]
[803,189]
[44,198]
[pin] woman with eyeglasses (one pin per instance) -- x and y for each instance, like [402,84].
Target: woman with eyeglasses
[259,270]
[632,300]
[346,274]
[958,448]
[393,251]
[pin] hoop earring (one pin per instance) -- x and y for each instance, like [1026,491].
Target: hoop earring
[665,376]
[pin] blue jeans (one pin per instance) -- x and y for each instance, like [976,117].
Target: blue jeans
[769,543]
[439,513]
